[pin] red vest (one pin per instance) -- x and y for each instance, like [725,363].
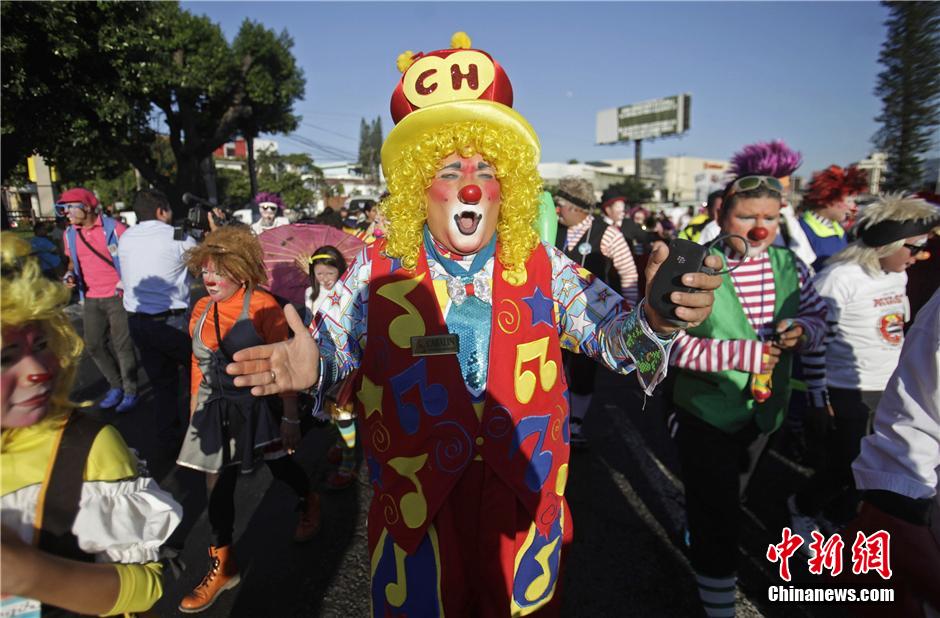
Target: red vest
[420,427]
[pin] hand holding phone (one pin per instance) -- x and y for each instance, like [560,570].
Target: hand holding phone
[681,280]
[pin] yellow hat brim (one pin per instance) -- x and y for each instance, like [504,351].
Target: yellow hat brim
[421,121]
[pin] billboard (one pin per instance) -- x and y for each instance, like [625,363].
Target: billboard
[645,120]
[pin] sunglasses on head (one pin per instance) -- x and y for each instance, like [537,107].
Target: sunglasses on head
[63,209]
[751,183]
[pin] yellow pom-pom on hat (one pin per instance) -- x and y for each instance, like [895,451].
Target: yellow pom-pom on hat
[405,60]
[460,40]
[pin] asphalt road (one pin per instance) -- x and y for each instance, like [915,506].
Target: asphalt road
[627,558]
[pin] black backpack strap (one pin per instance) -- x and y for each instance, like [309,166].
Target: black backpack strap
[106,260]
[62,490]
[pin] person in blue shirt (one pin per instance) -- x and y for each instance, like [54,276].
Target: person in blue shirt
[45,250]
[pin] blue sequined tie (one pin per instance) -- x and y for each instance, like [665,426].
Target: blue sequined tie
[470,319]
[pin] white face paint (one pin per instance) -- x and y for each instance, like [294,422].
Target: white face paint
[461,226]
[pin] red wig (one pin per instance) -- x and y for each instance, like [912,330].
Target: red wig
[834,184]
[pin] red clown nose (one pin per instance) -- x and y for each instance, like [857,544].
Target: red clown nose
[757,234]
[470,194]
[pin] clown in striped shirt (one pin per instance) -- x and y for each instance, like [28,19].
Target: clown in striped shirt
[602,250]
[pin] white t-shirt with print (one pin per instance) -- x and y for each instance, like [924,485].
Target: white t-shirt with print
[866,319]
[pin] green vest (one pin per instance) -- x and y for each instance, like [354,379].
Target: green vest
[723,398]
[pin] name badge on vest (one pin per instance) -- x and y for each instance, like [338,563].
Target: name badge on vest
[435,345]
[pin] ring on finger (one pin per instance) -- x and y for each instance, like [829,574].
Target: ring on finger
[273,377]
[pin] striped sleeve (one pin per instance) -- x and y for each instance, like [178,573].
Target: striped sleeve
[832,294]
[814,370]
[812,312]
[614,246]
[710,355]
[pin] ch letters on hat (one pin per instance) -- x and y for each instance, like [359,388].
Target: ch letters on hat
[461,76]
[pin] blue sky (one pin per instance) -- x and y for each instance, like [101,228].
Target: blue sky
[803,72]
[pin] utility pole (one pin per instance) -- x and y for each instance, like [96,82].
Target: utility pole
[637,158]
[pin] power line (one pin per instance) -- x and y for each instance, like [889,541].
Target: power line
[328,150]
[344,115]
[313,126]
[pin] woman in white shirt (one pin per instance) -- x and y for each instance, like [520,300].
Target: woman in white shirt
[865,288]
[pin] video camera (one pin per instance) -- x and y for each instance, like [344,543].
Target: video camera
[197,217]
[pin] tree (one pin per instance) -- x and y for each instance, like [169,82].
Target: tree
[272,83]
[365,146]
[121,187]
[92,87]
[287,176]
[370,147]
[54,73]
[632,189]
[909,88]
[375,138]
[233,187]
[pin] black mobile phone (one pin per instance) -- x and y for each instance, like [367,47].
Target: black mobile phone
[685,256]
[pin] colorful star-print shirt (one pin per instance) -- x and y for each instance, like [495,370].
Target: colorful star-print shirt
[591,318]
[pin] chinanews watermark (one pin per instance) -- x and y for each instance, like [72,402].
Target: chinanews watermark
[870,554]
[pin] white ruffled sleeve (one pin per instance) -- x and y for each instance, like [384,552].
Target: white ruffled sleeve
[125,521]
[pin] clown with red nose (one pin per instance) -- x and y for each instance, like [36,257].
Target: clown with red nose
[451,330]
[733,378]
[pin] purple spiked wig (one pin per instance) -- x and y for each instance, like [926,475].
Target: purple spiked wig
[773,158]
[274,198]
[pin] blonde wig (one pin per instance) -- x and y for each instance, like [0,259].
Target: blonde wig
[27,297]
[411,176]
[896,207]
[235,252]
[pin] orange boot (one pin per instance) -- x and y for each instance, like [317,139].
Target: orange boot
[309,523]
[222,576]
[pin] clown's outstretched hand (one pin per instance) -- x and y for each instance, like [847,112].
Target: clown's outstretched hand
[693,307]
[288,366]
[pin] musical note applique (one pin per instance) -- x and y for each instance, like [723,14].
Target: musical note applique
[404,327]
[433,397]
[413,505]
[540,462]
[525,381]
[537,568]
[540,584]
[403,584]
[396,591]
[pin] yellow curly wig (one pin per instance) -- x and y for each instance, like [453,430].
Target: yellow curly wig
[406,206]
[28,297]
